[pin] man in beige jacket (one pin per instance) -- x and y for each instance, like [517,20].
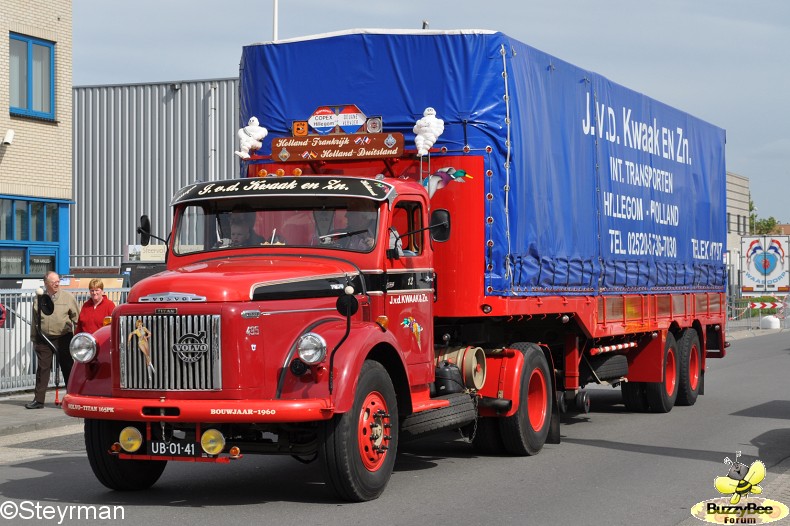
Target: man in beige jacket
[57,329]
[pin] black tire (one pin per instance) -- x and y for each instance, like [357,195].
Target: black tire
[661,396]
[487,439]
[634,397]
[359,470]
[607,366]
[690,367]
[582,402]
[114,473]
[525,432]
[460,412]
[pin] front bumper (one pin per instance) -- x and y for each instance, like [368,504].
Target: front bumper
[214,411]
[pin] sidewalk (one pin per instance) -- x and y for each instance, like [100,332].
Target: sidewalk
[14,418]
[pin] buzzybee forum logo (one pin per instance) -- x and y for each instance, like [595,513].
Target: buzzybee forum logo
[739,505]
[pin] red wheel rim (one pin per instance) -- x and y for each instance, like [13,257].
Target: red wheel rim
[670,373]
[694,367]
[373,431]
[537,395]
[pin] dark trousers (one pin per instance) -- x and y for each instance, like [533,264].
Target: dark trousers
[44,353]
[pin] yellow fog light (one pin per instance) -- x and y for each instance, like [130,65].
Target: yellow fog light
[212,442]
[130,439]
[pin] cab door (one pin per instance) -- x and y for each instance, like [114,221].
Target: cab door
[409,291]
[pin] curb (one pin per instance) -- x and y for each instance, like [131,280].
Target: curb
[39,426]
[16,419]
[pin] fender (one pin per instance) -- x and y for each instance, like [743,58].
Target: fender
[94,378]
[362,339]
[503,380]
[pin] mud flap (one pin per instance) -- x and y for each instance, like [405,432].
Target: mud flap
[554,425]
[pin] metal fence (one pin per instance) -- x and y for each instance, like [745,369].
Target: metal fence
[751,314]
[17,358]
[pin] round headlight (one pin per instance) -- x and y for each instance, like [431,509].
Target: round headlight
[130,439]
[311,347]
[212,441]
[83,347]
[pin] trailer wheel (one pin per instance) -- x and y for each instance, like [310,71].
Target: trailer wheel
[525,432]
[634,397]
[357,448]
[114,473]
[661,396]
[690,367]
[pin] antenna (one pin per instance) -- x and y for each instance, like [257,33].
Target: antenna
[275,21]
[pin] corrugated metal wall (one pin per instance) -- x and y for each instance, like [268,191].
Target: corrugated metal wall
[134,146]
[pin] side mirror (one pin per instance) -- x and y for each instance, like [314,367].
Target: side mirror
[347,305]
[440,225]
[144,230]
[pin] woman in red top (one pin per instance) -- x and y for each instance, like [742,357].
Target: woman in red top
[95,309]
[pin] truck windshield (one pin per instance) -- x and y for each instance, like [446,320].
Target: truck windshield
[330,223]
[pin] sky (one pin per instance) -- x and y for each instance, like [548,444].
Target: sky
[724,61]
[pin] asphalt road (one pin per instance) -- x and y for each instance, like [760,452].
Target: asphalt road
[613,467]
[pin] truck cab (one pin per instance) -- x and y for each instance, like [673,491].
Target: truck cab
[291,306]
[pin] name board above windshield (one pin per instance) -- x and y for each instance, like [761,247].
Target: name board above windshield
[338,147]
[286,186]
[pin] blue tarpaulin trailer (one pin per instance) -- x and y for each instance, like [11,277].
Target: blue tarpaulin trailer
[597,188]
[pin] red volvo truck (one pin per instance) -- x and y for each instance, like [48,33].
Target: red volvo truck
[441,230]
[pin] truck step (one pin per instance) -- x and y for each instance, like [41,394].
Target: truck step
[461,411]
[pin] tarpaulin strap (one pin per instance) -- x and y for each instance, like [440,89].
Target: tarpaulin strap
[508,270]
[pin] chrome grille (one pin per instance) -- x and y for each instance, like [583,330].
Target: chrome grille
[184,352]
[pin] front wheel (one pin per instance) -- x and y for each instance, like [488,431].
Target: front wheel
[526,431]
[357,449]
[117,474]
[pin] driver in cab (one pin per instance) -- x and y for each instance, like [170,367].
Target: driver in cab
[361,227]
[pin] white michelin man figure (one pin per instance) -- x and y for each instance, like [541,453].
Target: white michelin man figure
[250,137]
[427,130]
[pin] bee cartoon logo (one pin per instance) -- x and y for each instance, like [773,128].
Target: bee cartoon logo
[739,505]
[740,481]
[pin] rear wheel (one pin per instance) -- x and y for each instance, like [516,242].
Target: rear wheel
[690,367]
[117,474]
[357,448]
[661,396]
[525,432]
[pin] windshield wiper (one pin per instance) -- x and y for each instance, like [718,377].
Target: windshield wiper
[326,239]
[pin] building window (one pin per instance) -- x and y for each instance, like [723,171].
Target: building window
[729,223]
[32,77]
[12,262]
[29,235]
[22,220]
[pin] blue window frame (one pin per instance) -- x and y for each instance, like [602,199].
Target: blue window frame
[33,235]
[32,77]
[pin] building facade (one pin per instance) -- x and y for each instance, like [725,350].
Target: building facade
[35,130]
[134,146]
[738,199]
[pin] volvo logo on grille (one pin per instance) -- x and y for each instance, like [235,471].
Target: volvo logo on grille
[191,347]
